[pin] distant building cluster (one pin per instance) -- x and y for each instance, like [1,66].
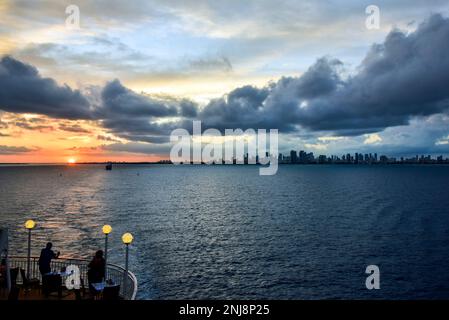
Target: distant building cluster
[303,157]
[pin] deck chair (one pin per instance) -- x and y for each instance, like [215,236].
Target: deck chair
[52,283]
[29,283]
[14,272]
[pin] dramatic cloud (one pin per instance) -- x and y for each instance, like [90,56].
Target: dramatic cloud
[241,108]
[188,109]
[320,79]
[133,116]
[23,90]
[404,77]
[119,101]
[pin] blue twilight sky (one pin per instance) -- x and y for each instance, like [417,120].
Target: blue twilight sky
[135,70]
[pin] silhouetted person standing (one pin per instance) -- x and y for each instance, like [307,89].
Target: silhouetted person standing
[45,259]
[96,268]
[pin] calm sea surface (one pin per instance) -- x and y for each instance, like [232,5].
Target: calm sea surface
[225,232]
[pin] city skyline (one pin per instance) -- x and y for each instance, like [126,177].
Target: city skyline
[114,88]
[304,157]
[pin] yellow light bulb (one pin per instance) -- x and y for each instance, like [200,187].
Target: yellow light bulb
[30,224]
[127,238]
[107,229]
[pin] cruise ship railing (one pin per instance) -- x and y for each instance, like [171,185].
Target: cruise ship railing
[126,280]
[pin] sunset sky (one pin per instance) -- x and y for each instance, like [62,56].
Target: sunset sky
[116,87]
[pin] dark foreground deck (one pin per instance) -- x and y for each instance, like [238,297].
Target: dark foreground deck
[119,276]
[36,294]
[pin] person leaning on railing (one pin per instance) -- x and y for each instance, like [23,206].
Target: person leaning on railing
[45,258]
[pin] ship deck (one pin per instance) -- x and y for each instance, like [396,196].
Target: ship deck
[118,277]
[36,294]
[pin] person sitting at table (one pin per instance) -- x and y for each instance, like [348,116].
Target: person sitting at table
[45,258]
[95,273]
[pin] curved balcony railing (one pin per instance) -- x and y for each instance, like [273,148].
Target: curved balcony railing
[126,280]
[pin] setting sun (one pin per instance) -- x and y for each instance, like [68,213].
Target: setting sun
[71,160]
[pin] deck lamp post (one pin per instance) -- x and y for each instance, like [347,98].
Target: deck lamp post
[29,224]
[106,230]
[127,238]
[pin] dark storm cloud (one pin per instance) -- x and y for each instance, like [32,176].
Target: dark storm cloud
[119,101]
[133,116]
[188,109]
[120,110]
[140,129]
[241,108]
[276,106]
[23,90]
[320,79]
[406,76]
[136,125]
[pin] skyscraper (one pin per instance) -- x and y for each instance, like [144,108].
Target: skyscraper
[293,156]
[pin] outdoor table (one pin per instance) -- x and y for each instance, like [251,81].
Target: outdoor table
[99,286]
[52,282]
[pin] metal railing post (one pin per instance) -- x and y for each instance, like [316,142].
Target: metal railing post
[118,274]
[106,257]
[29,253]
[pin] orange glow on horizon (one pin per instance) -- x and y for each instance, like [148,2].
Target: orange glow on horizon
[56,158]
[44,140]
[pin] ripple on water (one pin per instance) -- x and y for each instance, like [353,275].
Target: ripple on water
[225,232]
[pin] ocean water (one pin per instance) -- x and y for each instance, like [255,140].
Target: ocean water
[224,232]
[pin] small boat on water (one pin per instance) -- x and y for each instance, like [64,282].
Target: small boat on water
[109,166]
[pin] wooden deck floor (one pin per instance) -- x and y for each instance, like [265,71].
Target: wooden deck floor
[36,294]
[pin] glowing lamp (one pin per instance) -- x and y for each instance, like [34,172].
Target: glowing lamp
[107,229]
[127,238]
[30,224]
